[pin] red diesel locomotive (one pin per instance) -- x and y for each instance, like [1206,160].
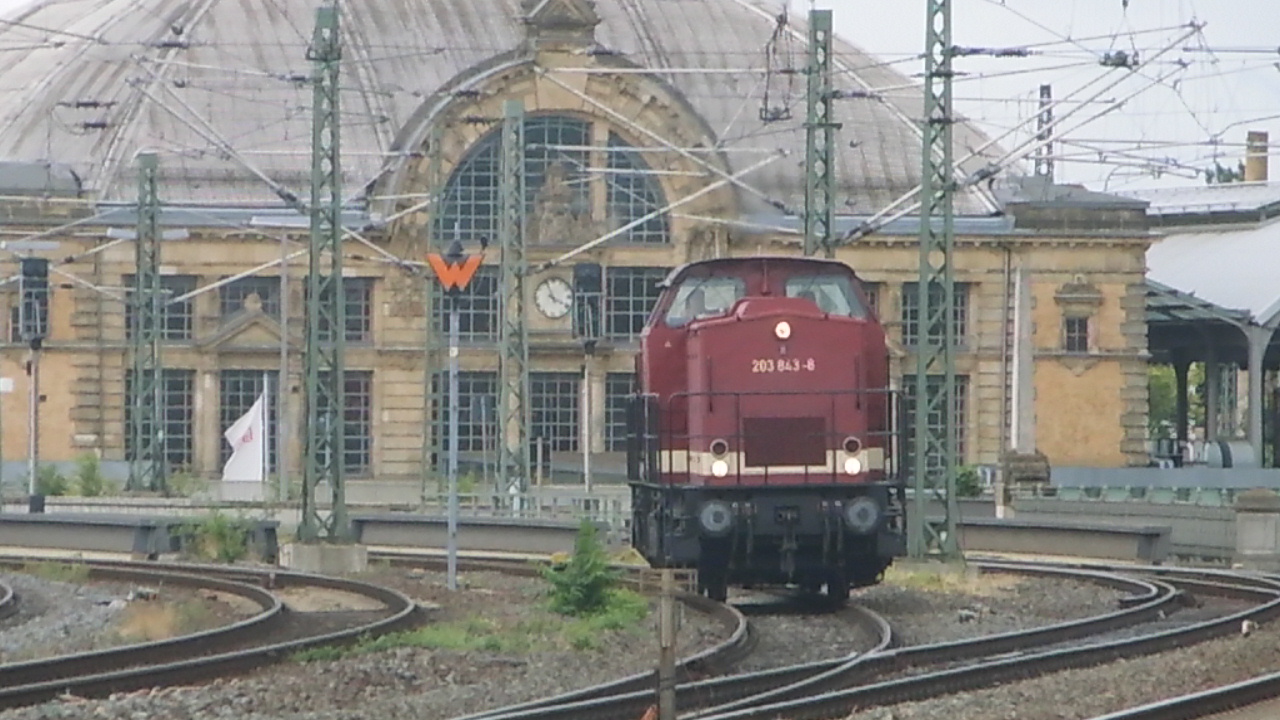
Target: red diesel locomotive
[763,434]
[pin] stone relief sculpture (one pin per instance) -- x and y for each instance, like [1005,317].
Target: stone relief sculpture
[559,213]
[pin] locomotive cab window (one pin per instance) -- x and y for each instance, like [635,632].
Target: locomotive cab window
[704,297]
[833,294]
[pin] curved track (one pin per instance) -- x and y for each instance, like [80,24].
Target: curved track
[1021,665]
[883,675]
[226,650]
[779,692]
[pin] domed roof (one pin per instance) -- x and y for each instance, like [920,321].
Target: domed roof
[220,88]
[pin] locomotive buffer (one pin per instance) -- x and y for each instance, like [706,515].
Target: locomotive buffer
[454,271]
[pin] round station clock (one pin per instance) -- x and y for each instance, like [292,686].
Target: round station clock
[553,298]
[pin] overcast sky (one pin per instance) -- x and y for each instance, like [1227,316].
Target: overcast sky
[1231,82]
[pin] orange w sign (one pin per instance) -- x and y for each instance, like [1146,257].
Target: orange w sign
[454,275]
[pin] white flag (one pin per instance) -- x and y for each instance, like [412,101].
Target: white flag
[248,438]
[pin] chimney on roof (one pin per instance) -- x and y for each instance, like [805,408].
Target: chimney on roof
[1255,156]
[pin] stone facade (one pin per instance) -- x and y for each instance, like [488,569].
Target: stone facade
[1090,403]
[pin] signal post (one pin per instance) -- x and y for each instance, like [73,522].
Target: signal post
[454,271]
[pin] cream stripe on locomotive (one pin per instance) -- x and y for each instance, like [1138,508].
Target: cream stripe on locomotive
[699,463]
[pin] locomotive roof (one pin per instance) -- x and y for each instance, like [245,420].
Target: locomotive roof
[682,270]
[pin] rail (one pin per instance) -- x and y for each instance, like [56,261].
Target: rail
[193,657]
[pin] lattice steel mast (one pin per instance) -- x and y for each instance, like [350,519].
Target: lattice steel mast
[325,342]
[432,387]
[934,461]
[513,371]
[820,139]
[147,460]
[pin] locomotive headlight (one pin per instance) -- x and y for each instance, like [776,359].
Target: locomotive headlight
[852,465]
[782,330]
[719,468]
[862,515]
[715,517]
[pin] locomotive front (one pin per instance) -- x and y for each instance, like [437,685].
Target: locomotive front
[764,434]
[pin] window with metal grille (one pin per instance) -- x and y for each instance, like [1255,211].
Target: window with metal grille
[630,293]
[554,400]
[477,308]
[558,175]
[358,310]
[477,410]
[232,296]
[177,417]
[617,390]
[959,404]
[634,195]
[1075,334]
[357,401]
[176,325]
[237,391]
[911,313]
[357,407]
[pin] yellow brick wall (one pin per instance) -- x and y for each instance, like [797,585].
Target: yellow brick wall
[1090,410]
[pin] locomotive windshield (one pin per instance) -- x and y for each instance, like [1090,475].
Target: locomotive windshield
[833,294]
[704,297]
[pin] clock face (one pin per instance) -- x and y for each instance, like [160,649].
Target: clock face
[553,298]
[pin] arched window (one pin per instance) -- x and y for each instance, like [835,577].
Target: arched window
[574,192]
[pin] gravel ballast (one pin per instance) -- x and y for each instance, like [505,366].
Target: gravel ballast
[414,683]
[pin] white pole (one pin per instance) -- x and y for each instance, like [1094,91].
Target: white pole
[586,423]
[454,319]
[282,380]
[266,433]
[33,423]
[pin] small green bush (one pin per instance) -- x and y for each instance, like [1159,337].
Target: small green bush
[50,482]
[582,585]
[90,482]
[217,538]
[968,484]
[185,484]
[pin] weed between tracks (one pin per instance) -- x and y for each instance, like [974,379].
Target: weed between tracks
[582,606]
[949,579]
[150,621]
[624,612]
[57,571]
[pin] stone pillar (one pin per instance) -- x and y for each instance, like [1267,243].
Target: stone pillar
[1258,530]
[1212,391]
[1259,338]
[1180,367]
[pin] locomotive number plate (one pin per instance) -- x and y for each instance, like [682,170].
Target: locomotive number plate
[771,365]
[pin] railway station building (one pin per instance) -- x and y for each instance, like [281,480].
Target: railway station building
[673,130]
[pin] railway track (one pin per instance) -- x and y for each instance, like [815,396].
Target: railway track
[882,675]
[886,675]
[262,638]
[728,695]
[1265,593]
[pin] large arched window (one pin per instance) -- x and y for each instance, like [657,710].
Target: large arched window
[574,191]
